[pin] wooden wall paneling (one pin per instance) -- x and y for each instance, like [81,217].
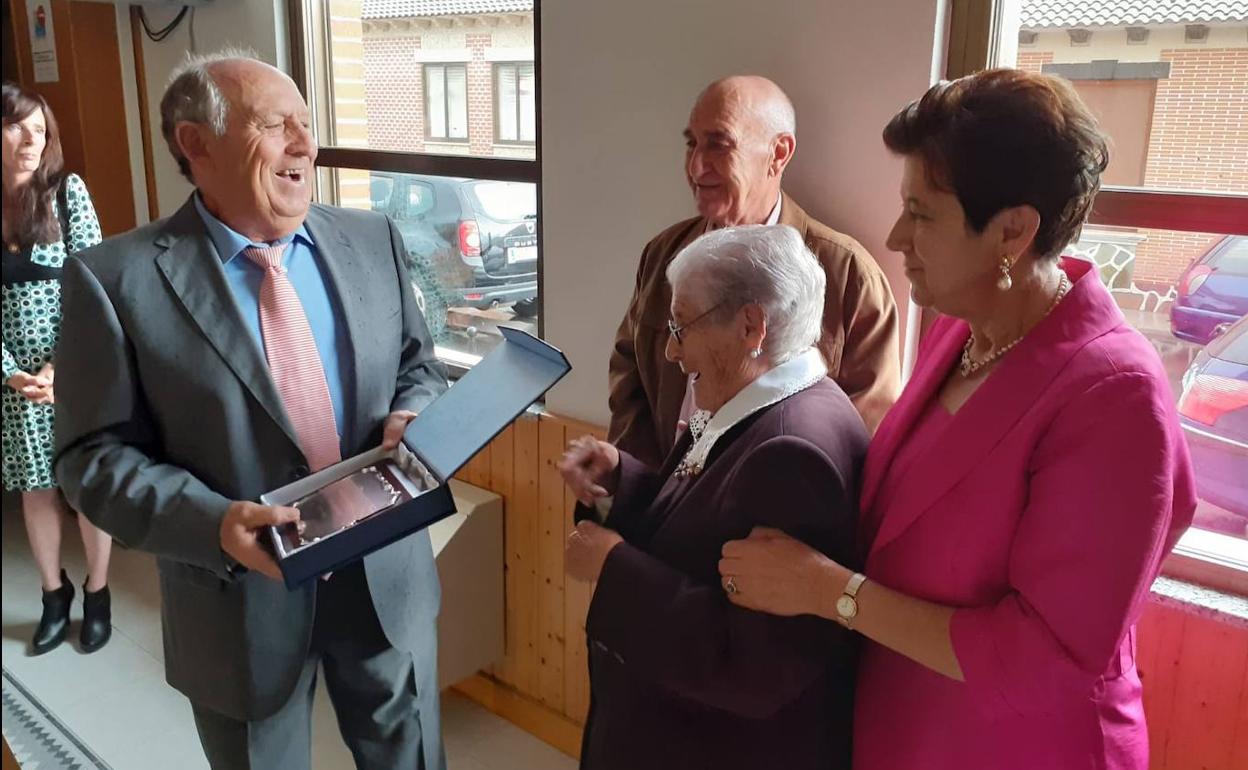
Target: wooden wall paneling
[576,429]
[485,465]
[465,474]
[1159,636]
[521,542]
[1214,661]
[1239,752]
[1147,631]
[479,468]
[576,597]
[551,536]
[1145,653]
[502,470]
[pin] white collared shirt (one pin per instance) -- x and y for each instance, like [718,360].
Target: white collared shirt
[793,376]
[774,217]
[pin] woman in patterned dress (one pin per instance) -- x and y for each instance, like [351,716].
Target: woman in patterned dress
[47,214]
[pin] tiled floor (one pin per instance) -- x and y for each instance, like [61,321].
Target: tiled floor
[117,701]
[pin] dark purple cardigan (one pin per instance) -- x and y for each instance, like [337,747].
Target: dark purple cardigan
[680,677]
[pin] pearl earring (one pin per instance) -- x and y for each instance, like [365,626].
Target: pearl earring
[756,352]
[1005,282]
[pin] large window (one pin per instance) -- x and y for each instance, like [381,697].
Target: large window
[446,102]
[472,252]
[515,108]
[427,112]
[1169,232]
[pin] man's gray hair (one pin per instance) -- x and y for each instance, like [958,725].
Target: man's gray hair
[193,96]
[768,265]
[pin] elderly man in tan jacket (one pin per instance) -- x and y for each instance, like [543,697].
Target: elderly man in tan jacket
[740,138]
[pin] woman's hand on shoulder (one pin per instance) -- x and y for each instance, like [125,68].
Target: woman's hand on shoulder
[771,572]
[588,467]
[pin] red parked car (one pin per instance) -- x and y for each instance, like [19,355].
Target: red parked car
[1213,411]
[1213,292]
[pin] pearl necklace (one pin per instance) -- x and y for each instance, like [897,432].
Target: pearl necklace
[969,366]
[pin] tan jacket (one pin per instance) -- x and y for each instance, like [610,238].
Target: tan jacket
[859,339]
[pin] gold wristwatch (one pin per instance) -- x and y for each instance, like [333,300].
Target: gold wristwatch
[847,602]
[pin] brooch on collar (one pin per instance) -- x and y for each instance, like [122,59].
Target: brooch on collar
[697,426]
[687,469]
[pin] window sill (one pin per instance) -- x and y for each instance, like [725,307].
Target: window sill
[456,362]
[1199,600]
[517,150]
[447,146]
[1212,560]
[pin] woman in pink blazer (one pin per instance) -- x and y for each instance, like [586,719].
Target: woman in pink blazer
[1019,498]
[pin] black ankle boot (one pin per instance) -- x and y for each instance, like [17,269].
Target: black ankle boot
[97,618]
[54,623]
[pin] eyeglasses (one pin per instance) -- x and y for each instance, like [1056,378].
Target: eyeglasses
[677,331]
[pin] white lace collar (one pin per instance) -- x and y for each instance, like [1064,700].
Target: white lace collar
[793,376]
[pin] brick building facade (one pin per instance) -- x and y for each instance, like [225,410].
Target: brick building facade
[403,39]
[1173,91]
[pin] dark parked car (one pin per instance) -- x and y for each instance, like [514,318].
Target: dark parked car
[1214,413]
[470,242]
[1213,292]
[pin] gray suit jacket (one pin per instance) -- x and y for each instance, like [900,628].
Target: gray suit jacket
[166,413]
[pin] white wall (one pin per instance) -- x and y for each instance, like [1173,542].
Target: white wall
[618,79]
[256,24]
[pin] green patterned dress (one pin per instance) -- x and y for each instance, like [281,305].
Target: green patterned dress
[32,327]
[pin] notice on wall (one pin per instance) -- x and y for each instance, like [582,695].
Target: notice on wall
[42,40]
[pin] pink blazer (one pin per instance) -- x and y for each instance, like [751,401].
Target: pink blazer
[1043,512]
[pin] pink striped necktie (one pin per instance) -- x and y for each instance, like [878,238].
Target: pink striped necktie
[294,362]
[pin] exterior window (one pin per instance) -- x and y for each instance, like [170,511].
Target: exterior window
[1125,109]
[515,107]
[1172,105]
[446,101]
[426,112]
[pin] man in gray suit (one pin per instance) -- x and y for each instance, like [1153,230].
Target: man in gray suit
[176,408]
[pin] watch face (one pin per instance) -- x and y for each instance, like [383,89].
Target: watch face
[846,607]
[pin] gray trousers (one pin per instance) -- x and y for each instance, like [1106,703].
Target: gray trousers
[371,685]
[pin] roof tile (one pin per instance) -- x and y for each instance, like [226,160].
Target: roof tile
[1039,14]
[391,9]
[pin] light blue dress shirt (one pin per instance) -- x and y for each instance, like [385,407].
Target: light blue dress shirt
[307,273]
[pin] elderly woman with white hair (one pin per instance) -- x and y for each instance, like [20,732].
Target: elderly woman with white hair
[681,677]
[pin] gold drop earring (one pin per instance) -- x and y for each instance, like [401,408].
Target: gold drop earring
[1005,282]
